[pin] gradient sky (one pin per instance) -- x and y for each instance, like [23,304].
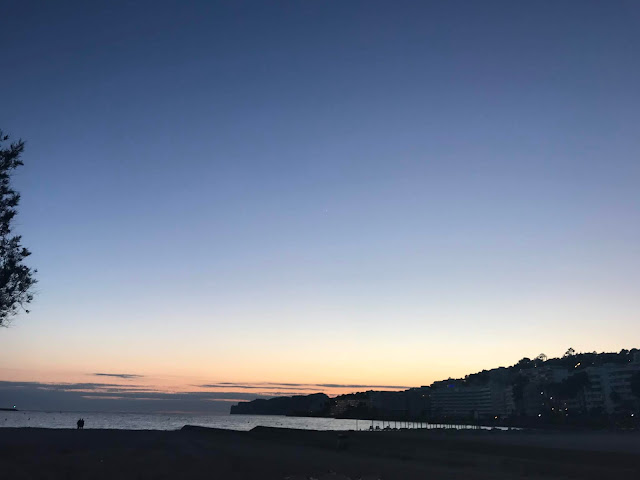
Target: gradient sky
[322,192]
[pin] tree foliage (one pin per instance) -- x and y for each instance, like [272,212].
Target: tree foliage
[573,385]
[524,363]
[16,278]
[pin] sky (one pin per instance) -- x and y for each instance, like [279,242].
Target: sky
[334,194]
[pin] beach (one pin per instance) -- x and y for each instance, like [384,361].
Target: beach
[269,453]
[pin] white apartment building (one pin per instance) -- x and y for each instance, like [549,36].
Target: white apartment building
[465,402]
[610,386]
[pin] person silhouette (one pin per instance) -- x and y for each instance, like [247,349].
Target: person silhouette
[79,423]
[82,424]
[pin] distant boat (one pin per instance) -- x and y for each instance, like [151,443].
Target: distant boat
[14,409]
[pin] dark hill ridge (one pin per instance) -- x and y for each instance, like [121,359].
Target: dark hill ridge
[576,390]
[301,405]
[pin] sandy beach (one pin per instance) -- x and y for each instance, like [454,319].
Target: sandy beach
[266,453]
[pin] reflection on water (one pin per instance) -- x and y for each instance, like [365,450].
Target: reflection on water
[144,421]
[170,421]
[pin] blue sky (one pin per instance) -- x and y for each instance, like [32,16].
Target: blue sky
[352,192]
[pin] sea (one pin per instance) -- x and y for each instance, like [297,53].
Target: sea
[170,421]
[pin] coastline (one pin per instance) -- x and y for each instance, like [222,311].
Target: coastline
[271,453]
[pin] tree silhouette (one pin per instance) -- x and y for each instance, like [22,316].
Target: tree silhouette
[524,363]
[16,279]
[573,385]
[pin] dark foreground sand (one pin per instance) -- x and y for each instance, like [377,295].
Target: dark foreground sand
[265,453]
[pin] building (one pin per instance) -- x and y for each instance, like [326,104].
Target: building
[609,387]
[346,403]
[459,401]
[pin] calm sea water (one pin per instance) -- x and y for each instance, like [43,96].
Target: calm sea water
[146,421]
